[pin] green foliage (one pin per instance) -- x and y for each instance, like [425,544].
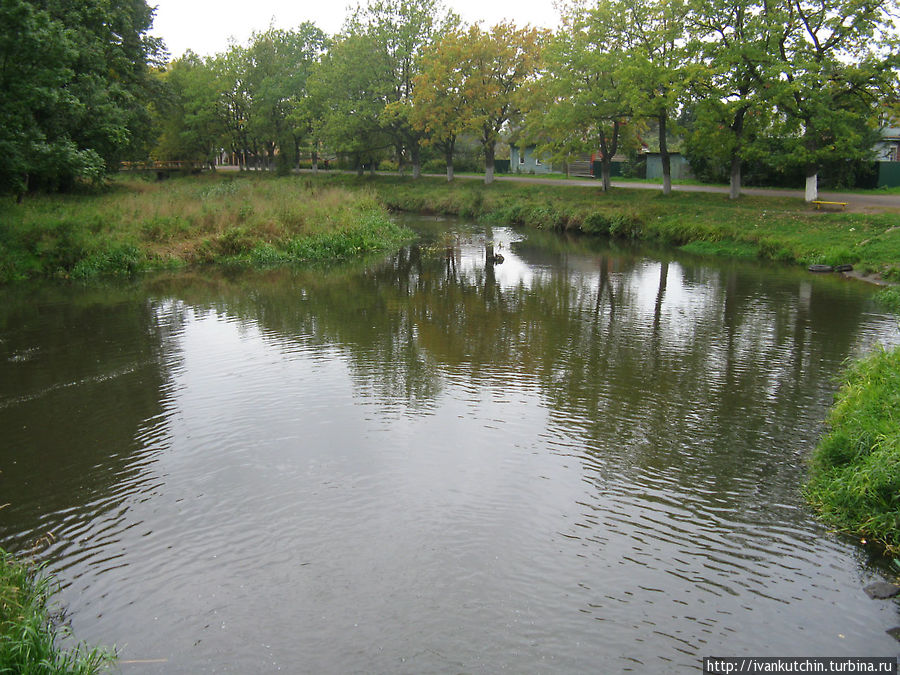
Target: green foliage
[28,632]
[855,470]
[74,87]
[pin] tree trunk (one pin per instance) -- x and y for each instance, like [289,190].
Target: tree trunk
[735,181]
[608,147]
[315,160]
[812,184]
[489,149]
[399,150]
[664,155]
[737,128]
[448,155]
[605,165]
[416,160]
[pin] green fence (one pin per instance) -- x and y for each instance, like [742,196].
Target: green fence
[888,174]
[615,169]
[501,166]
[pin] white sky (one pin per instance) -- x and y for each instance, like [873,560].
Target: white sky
[207,26]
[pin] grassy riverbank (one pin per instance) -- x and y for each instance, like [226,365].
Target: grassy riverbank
[855,470]
[28,635]
[777,228]
[138,224]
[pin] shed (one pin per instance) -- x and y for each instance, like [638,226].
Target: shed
[680,167]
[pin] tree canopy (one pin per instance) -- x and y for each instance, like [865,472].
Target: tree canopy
[74,89]
[793,84]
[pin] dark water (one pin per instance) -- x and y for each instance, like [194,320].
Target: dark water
[581,460]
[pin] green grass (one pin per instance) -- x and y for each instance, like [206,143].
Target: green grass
[889,298]
[137,225]
[775,228]
[855,470]
[29,636]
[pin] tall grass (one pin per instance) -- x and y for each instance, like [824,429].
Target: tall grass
[139,224]
[29,637]
[855,470]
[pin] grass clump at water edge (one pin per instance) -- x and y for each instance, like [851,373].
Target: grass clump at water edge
[29,635]
[855,470]
[137,225]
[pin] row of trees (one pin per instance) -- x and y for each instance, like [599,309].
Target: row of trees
[402,76]
[793,82]
[796,82]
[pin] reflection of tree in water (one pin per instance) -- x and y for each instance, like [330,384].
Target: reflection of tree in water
[656,366]
[80,372]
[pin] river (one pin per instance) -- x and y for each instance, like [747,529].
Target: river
[587,458]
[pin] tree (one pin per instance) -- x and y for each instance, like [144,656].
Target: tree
[279,64]
[496,66]
[190,117]
[835,58]
[439,108]
[733,40]
[349,89]
[655,72]
[232,71]
[580,104]
[401,30]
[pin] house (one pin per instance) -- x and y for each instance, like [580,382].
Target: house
[887,154]
[523,159]
[888,148]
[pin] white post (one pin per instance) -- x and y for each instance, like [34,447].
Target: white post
[812,187]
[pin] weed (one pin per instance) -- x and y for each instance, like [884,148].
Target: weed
[28,633]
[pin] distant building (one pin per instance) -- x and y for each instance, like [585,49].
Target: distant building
[888,148]
[887,153]
[523,159]
[680,168]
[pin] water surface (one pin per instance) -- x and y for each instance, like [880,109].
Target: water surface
[584,459]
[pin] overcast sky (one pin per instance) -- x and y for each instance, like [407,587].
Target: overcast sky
[206,26]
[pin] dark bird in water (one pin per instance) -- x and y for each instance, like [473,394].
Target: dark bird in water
[495,259]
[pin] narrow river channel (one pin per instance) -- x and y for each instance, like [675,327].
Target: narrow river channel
[583,459]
